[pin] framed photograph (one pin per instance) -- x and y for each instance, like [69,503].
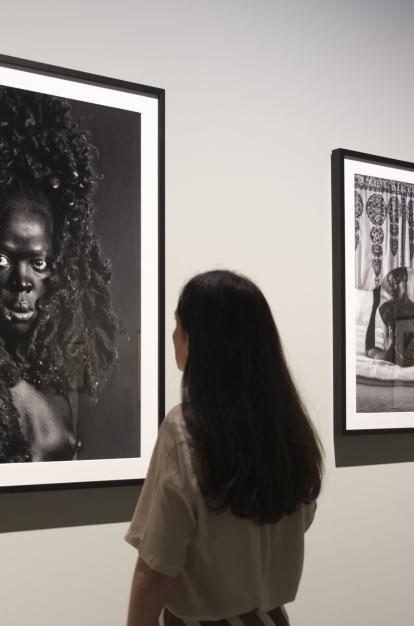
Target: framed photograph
[81,277]
[373,291]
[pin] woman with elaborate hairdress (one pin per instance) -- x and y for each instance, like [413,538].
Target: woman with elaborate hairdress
[57,326]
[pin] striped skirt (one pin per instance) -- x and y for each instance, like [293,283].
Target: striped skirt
[276,617]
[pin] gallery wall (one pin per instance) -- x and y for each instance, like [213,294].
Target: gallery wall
[258,93]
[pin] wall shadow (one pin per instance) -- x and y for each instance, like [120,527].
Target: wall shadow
[372,449]
[35,510]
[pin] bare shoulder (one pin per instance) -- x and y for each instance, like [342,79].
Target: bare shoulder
[47,421]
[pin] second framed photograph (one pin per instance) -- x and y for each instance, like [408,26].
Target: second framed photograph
[373,289]
[81,277]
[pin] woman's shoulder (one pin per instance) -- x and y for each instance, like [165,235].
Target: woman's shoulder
[177,445]
[175,415]
[173,425]
[47,421]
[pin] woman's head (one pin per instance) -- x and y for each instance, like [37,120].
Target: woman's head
[229,325]
[47,181]
[256,450]
[397,282]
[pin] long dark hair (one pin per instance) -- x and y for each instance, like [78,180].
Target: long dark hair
[255,448]
[44,155]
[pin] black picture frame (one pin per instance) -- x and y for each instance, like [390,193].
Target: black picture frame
[126,122]
[373,292]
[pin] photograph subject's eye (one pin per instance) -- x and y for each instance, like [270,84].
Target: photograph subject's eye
[40,265]
[4,262]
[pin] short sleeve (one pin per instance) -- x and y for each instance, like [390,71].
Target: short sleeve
[163,523]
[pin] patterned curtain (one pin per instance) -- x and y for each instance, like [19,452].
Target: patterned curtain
[384,228]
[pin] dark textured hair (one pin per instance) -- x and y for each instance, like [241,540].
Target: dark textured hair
[254,447]
[47,158]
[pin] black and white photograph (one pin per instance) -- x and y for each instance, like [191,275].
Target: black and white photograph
[80,277]
[373,219]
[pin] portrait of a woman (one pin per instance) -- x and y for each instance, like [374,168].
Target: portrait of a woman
[57,325]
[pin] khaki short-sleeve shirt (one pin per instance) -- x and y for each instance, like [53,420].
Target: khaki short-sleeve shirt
[225,565]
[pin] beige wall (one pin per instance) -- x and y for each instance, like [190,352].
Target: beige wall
[258,94]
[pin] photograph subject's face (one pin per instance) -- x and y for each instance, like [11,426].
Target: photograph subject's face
[25,260]
[398,286]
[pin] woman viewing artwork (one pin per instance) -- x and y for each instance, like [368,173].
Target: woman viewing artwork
[235,473]
[57,325]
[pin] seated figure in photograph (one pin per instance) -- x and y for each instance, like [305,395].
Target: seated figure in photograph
[57,327]
[397,316]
